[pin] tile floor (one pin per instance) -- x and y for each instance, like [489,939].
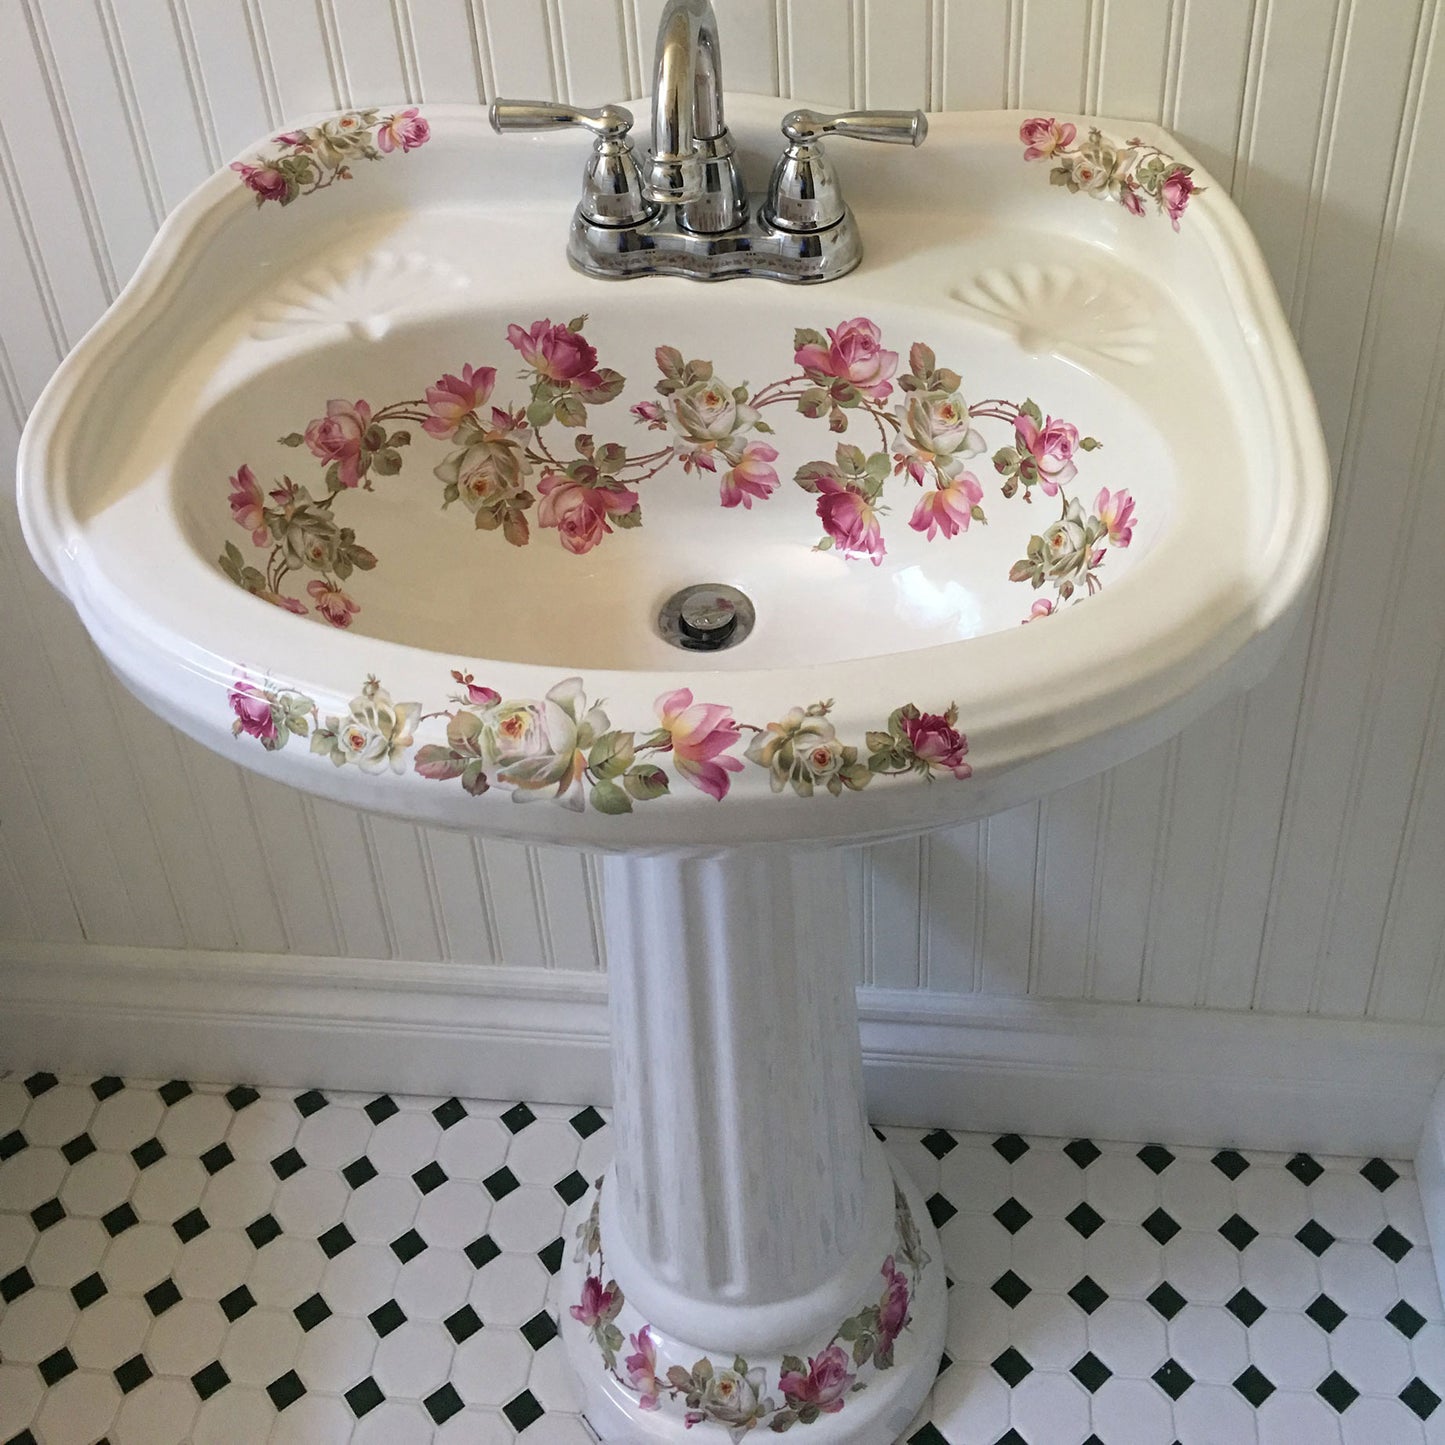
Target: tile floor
[235,1266]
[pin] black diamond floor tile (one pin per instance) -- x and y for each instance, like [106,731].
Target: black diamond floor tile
[1173,1378]
[1230,1162]
[1337,1391]
[522,1411]
[1379,1173]
[517,1118]
[1012,1215]
[1254,1386]
[1392,1244]
[1012,1147]
[1420,1398]
[1082,1151]
[1088,1294]
[1156,1157]
[1084,1219]
[1239,1231]
[1305,1168]
[1011,1367]
[1167,1300]
[452,1112]
[1091,1372]
[381,1108]
[309,1103]
[1161,1226]
[1407,1319]
[1011,1289]
[1325,1313]
[940,1143]
[1315,1237]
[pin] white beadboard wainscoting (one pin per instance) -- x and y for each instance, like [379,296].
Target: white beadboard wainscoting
[1267,890]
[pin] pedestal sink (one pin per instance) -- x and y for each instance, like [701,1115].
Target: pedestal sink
[359,484]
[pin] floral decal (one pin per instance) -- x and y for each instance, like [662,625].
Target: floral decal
[1130,173]
[312,159]
[565,749]
[504,464]
[737,1395]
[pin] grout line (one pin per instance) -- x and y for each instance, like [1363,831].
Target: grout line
[74,154]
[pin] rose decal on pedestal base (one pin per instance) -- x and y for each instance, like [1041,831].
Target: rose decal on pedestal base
[739,1395]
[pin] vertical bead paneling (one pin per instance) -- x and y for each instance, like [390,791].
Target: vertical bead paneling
[1284,852]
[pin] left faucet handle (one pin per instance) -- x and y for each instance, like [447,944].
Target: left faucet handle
[607,122]
[612,191]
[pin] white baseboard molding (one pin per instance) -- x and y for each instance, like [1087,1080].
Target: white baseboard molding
[1036,1066]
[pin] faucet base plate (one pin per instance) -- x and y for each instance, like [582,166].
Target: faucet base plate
[661,247]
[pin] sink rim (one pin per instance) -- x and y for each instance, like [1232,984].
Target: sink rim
[1016,727]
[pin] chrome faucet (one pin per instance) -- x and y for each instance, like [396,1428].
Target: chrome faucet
[686,210]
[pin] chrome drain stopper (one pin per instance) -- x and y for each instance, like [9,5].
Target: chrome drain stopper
[706,617]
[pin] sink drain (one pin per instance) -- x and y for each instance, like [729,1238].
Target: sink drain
[706,617]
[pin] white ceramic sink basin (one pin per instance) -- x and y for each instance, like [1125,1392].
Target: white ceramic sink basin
[338,491]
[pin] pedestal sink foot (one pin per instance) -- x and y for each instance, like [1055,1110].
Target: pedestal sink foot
[751,1261]
[860,1383]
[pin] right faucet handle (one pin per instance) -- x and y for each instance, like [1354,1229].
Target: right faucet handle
[892,127]
[804,194]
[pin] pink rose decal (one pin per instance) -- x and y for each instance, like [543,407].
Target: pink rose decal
[641,1368]
[893,1308]
[1132,198]
[1044,607]
[854,354]
[751,476]
[474,692]
[938,743]
[598,1303]
[265,180]
[1116,511]
[1047,452]
[1174,192]
[454,396]
[557,353]
[580,513]
[827,1382]
[650,413]
[339,437]
[947,509]
[253,714]
[332,603]
[406,129]
[699,734]
[850,519]
[248,506]
[1043,137]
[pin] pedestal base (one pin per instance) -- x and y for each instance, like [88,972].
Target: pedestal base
[861,1383]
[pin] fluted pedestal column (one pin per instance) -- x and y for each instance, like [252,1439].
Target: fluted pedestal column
[750,1256]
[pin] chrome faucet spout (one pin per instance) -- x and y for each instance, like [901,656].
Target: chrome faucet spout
[691,160]
[687,104]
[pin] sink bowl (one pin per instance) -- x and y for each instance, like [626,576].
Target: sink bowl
[361,485]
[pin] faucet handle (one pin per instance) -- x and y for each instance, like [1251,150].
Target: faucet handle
[804,194]
[892,127]
[608,122]
[612,194]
